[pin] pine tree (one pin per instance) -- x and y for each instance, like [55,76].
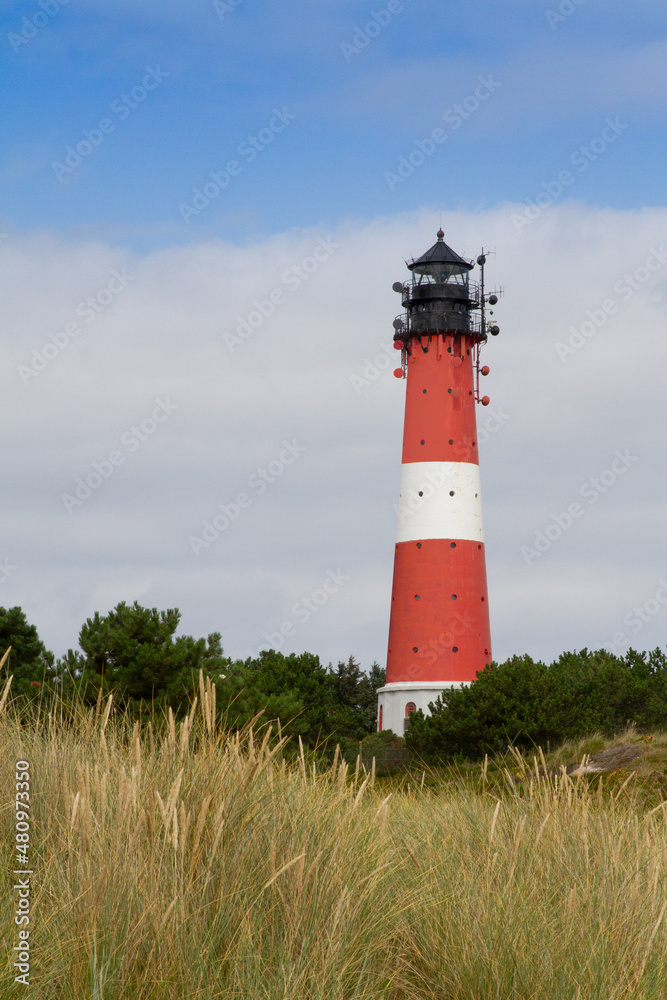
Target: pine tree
[29,662]
[132,651]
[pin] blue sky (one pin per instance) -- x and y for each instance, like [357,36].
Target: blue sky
[540,136]
[355,112]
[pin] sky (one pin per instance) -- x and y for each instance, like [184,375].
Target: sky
[203,208]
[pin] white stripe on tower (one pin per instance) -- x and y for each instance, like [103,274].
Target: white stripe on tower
[440,500]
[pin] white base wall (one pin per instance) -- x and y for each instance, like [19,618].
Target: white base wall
[394,697]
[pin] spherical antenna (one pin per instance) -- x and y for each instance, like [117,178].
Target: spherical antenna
[397,286]
[398,324]
[494,330]
[481,259]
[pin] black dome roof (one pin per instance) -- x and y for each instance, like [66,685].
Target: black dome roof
[439,253]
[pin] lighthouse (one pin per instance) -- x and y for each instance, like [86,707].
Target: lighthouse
[439,635]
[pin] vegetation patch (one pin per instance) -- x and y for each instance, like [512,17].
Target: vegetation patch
[175,859]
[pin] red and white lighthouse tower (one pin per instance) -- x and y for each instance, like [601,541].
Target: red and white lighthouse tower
[439,633]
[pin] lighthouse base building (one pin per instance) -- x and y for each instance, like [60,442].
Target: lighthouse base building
[439,635]
[396,702]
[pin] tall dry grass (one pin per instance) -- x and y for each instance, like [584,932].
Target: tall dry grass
[190,863]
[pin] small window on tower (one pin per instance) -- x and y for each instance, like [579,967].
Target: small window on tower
[409,709]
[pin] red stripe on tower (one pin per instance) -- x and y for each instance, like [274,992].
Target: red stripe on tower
[439,632]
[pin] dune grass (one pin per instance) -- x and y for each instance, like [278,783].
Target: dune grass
[180,861]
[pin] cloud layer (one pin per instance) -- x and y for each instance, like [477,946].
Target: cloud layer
[250,389]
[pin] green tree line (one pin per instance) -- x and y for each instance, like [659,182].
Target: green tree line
[527,703]
[133,652]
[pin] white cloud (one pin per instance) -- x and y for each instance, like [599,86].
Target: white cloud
[332,507]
